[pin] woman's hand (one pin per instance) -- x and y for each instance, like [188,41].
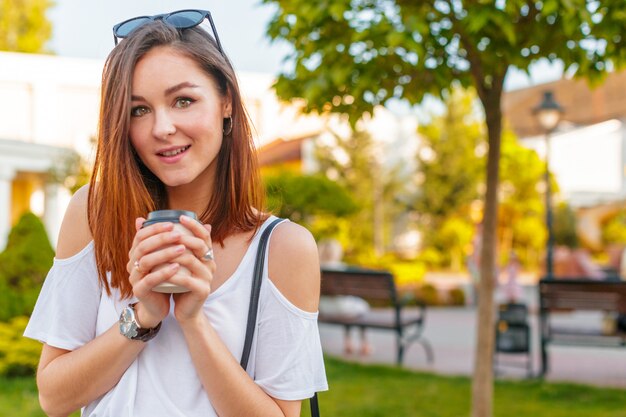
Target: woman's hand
[153,246]
[189,305]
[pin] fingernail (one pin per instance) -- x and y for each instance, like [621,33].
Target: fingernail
[180,248]
[174,266]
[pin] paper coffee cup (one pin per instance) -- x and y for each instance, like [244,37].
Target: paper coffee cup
[171,216]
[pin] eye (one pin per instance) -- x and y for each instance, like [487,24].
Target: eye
[183,102]
[139,111]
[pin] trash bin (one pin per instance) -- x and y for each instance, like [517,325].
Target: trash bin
[513,336]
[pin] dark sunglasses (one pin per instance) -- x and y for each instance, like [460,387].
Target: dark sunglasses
[181,19]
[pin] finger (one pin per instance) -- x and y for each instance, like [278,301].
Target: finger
[161,256]
[145,232]
[201,288]
[201,249]
[144,286]
[156,242]
[196,228]
[145,264]
[200,243]
[150,244]
[139,223]
[197,268]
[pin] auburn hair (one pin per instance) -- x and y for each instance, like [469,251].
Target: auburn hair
[122,188]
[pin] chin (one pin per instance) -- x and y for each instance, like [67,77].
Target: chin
[175,182]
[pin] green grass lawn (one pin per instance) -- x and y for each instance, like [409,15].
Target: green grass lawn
[18,398]
[377,391]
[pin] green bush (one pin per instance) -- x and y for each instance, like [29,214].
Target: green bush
[456,297]
[18,355]
[429,294]
[24,265]
[301,197]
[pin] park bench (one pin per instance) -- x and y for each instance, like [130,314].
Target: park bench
[577,295]
[405,317]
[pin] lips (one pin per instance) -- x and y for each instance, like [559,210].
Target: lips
[173,152]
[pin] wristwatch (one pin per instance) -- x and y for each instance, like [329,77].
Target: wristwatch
[130,327]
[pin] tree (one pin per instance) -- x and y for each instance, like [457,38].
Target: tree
[354,162]
[521,212]
[614,229]
[450,167]
[352,55]
[24,26]
[565,233]
[302,197]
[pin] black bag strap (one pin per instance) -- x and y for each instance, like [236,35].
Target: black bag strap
[257,276]
[254,304]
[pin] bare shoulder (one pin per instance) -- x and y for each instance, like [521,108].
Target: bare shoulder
[75,233]
[294,265]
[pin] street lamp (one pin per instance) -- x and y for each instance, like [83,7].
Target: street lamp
[548,114]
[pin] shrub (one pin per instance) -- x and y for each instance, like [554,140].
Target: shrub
[429,294]
[19,356]
[23,267]
[300,197]
[456,297]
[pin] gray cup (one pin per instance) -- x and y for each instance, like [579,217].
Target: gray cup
[171,216]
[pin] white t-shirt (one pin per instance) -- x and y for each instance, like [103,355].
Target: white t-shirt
[285,361]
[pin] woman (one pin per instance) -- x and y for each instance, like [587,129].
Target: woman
[173,134]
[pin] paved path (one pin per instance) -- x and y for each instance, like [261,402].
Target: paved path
[452,333]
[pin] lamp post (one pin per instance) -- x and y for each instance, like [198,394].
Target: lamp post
[548,114]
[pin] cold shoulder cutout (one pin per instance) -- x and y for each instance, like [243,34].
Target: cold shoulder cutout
[75,233]
[294,266]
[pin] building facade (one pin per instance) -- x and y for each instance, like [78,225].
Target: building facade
[587,151]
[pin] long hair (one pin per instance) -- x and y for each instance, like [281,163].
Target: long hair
[122,188]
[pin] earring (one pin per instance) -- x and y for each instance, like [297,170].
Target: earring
[227,130]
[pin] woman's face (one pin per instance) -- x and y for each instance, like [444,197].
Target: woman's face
[176,118]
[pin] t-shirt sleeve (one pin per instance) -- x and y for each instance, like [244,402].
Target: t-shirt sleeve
[289,364]
[67,308]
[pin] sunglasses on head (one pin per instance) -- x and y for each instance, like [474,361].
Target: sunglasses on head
[181,19]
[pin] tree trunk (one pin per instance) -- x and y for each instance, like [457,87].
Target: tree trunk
[482,383]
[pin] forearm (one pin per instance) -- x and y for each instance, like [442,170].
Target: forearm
[74,379]
[231,390]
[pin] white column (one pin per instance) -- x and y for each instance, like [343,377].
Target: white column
[6,177]
[51,215]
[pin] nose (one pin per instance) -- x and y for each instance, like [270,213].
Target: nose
[163,125]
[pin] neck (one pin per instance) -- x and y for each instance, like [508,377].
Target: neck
[189,198]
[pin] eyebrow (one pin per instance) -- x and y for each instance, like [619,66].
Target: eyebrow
[170,90]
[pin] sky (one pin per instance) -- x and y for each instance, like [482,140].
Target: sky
[84,29]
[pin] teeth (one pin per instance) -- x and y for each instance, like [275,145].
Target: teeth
[174,152]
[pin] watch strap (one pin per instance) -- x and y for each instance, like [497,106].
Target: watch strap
[140,333]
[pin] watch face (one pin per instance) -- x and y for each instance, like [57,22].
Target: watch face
[128,326]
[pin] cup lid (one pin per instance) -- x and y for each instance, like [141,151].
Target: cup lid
[173,216]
